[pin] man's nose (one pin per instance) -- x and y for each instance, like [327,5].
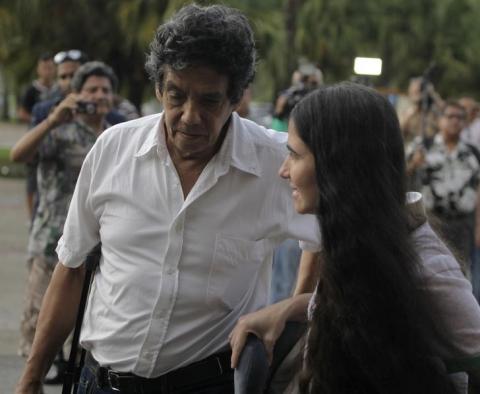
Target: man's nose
[191,113]
[100,94]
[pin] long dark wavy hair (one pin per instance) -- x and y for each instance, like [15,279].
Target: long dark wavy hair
[371,328]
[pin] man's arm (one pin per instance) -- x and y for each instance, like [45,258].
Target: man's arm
[477,220]
[55,322]
[26,147]
[416,161]
[308,272]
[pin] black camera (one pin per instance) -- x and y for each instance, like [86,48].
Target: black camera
[293,96]
[86,107]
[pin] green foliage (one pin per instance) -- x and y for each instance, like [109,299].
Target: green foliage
[407,34]
[8,168]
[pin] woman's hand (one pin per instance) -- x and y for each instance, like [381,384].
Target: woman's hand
[267,324]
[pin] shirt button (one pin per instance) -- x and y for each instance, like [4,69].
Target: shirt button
[178,227]
[170,271]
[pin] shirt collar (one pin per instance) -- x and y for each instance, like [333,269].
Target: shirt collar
[440,141]
[155,139]
[237,150]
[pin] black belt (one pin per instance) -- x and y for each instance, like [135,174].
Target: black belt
[123,382]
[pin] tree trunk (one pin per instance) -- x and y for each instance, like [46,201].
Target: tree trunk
[291,11]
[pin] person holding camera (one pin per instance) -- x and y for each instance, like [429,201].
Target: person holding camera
[421,118]
[60,142]
[304,80]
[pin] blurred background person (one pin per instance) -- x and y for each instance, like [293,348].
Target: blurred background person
[66,63]
[304,80]
[471,135]
[60,142]
[40,89]
[471,131]
[246,109]
[420,118]
[125,108]
[450,174]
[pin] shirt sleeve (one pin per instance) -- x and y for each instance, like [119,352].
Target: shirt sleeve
[81,230]
[457,312]
[412,148]
[48,148]
[29,98]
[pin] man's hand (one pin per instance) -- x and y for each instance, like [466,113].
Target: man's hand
[267,324]
[418,158]
[416,161]
[64,111]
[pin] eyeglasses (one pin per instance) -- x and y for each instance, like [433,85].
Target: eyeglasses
[73,55]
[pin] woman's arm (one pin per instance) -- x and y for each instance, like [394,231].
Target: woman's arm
[308,272]
[268,323]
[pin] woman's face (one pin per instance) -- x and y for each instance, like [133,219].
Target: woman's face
[299,169]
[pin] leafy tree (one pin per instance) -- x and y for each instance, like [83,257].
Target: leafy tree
[407,34]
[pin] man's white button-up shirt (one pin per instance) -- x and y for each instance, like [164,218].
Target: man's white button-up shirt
[175,273]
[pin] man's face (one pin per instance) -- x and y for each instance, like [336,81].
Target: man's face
[452,122]
[46,70]
[471,108]
[65,73]
[98,90]
[196,109]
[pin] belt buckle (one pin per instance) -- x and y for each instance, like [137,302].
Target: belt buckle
[219,365]
[113,379]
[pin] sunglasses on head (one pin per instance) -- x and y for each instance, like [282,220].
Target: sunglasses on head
[73,54]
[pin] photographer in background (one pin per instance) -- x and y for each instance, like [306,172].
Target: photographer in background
[449,172]
[304,80]
[421,118]
[66,62]
[61,142]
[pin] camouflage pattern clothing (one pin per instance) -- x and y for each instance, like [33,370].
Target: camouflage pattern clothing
[450,182]
[449,179]
[61,154]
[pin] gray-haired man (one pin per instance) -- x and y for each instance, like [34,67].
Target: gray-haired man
[188,208]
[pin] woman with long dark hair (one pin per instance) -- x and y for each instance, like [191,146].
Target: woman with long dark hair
[378,323]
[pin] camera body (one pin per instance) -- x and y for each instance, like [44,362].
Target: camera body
[86,107]
[294,95]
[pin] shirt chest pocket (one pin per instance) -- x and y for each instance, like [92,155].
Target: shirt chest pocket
[234,270]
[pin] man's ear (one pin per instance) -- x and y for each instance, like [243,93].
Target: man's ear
[158,93]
